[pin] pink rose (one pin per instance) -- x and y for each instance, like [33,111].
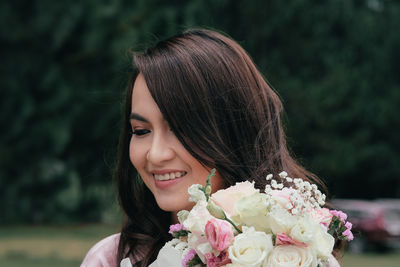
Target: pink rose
[322,216]
[227,198]
[216,261]
[219,234]
[283,239]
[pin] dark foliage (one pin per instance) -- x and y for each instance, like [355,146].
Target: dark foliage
[65,66]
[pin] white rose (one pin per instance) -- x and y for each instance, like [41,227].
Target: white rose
[290,255]
[195,193]
[280,220]
[252,211]
[170,254]
[196,222]
[197,218]
[250,248]
[323,242]
[303,230]
[199,244]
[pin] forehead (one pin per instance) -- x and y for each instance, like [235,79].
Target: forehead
[140,92]
[142,101]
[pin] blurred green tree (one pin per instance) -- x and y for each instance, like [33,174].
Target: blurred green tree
[335,64]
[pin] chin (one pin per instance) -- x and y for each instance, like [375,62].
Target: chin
[171,206]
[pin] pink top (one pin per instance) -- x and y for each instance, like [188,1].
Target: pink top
[104,254]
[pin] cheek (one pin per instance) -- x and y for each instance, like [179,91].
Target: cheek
[137,154]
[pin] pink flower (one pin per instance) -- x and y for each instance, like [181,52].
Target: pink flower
[176,228]
[219,234]
[189,256]
[348,225]
[283,239]
[340,214]
[227,198]
[348,234]
[323,216]
[216,261]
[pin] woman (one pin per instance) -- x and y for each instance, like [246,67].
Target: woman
[196,102]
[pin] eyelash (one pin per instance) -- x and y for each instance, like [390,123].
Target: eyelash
[140,132]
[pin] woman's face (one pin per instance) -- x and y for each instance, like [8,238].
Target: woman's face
[165,166]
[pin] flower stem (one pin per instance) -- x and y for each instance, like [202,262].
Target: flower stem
[233,224]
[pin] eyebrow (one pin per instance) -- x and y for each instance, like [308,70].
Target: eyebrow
[135,116]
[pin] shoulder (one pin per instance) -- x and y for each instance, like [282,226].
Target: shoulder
[103,254]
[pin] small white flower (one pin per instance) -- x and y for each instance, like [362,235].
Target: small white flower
[182,215]
[314,187]
[269,177]
[196,194]
[268,188]
[283,174]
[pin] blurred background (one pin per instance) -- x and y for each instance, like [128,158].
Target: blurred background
[65,66]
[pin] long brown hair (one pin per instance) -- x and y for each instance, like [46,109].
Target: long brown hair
[220,108]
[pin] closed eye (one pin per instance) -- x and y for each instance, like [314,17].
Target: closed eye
[140,132]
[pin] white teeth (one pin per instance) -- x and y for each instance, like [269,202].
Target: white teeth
[168,176]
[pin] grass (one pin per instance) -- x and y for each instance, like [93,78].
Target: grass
[66,246]
[372,259]
[46,245]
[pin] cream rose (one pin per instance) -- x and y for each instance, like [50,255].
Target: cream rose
[321,215]
[227,198]
[250,248]
[289,256]
[280,220]
[323,242]
[252,211]
[303,230]
[282,197]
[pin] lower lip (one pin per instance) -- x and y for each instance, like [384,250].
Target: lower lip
[167,183]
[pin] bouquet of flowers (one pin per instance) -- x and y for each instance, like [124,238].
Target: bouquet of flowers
[241,226]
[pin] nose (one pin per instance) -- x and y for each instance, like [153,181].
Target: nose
[160,151]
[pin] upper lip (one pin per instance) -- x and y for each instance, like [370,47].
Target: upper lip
[161,172]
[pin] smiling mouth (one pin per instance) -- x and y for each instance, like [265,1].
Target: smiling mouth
[169,176]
